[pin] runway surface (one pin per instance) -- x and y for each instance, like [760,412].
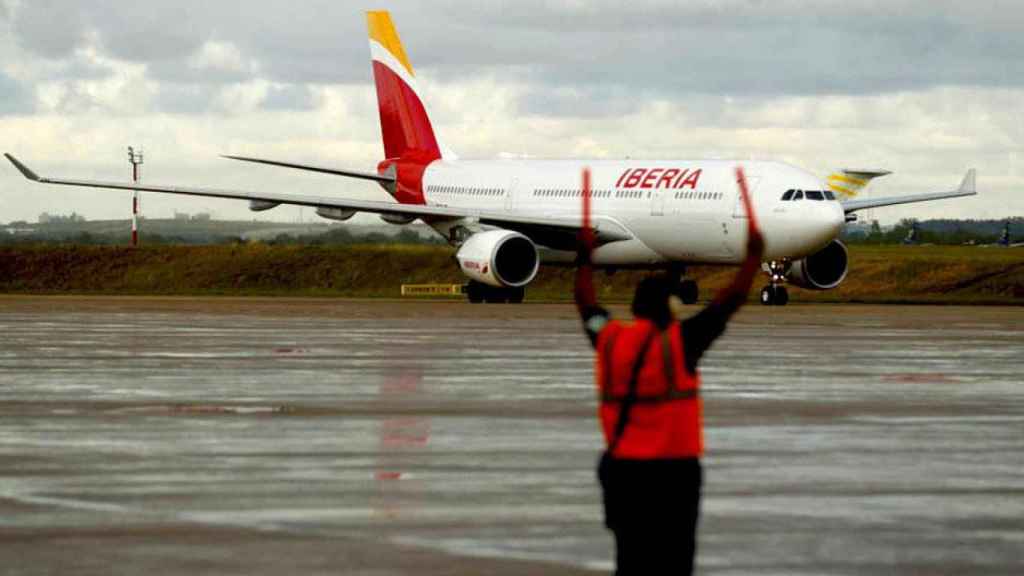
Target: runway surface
[254,436]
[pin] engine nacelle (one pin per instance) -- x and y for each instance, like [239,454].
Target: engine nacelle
[499,258]
[335,213]
[822,270]
[399,219]
[261,205]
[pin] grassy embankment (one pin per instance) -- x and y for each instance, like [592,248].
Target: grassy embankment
[925,274]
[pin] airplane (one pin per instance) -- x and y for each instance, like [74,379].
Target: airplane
[508,216]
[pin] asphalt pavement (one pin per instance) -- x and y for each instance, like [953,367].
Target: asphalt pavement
[274,436]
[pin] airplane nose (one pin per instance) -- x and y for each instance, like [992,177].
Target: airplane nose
[832,219]
[825,222]
[838,216]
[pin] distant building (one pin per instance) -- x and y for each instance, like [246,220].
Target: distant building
[181,216]
[201,217]
[74,218]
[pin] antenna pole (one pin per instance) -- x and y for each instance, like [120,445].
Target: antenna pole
[135,158]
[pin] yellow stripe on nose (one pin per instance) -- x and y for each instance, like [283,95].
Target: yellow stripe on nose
[383,31]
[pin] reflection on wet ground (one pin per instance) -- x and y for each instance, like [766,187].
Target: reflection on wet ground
[281,436]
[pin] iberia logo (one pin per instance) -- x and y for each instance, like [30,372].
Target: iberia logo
[672,178]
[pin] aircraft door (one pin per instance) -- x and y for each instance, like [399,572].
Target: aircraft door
[657,202]
[510,195]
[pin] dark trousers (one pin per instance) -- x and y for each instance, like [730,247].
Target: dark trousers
[652,507]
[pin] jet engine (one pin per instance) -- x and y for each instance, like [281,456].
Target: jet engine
[500,258]
[822,270]
[261,205]
[399,219]
[335,213]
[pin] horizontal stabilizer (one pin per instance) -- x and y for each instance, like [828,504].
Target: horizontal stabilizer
[311,168]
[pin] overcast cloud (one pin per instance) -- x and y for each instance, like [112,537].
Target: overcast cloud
[925,88]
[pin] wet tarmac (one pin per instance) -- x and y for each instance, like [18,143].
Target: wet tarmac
[257,436]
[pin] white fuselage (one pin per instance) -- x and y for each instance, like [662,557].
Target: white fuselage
[685,211]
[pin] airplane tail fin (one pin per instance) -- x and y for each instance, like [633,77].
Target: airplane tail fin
[405,125]
[848,183]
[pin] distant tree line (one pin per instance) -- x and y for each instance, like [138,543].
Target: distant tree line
[941,231]
[21,233]
[57,219]
[60,229]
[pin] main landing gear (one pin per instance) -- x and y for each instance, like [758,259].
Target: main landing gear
[686,289]
[478,292]
[775,294]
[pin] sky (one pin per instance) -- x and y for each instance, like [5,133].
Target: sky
[925,88]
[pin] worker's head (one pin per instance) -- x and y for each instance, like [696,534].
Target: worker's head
[652,300]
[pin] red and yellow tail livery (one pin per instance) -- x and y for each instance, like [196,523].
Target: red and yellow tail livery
[405,125]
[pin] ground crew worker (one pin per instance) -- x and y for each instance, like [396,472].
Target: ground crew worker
[650,411]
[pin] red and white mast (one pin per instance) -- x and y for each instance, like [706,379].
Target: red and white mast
[136,160]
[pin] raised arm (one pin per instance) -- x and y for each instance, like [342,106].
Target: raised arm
[734,295]
[704,327]
[586,299]
[594,317]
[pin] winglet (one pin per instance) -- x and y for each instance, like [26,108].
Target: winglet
[23,169]
[969,184]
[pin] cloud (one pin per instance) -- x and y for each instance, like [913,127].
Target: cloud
[731,46]
[926,88]
[288,97]
[14,99]
[219,56]
[49,28]
[191,99]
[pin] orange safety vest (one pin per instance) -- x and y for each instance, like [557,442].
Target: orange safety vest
[665,419]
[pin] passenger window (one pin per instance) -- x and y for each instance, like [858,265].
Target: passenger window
[799,195]
[788,195]
[814,195]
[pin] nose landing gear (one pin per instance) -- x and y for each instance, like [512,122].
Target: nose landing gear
[775,293]
[686,289]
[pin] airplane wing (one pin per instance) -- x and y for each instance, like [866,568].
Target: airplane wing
[383,178]
[967,188]
[553,232]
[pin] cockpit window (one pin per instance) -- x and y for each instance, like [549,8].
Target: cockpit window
[788,195]
[829,195]
[814,195]
[799,195]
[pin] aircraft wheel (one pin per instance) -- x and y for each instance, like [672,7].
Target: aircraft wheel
[493,295]
[475,291]
[768,295]
[516,295]
[781,296]
[688,291]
